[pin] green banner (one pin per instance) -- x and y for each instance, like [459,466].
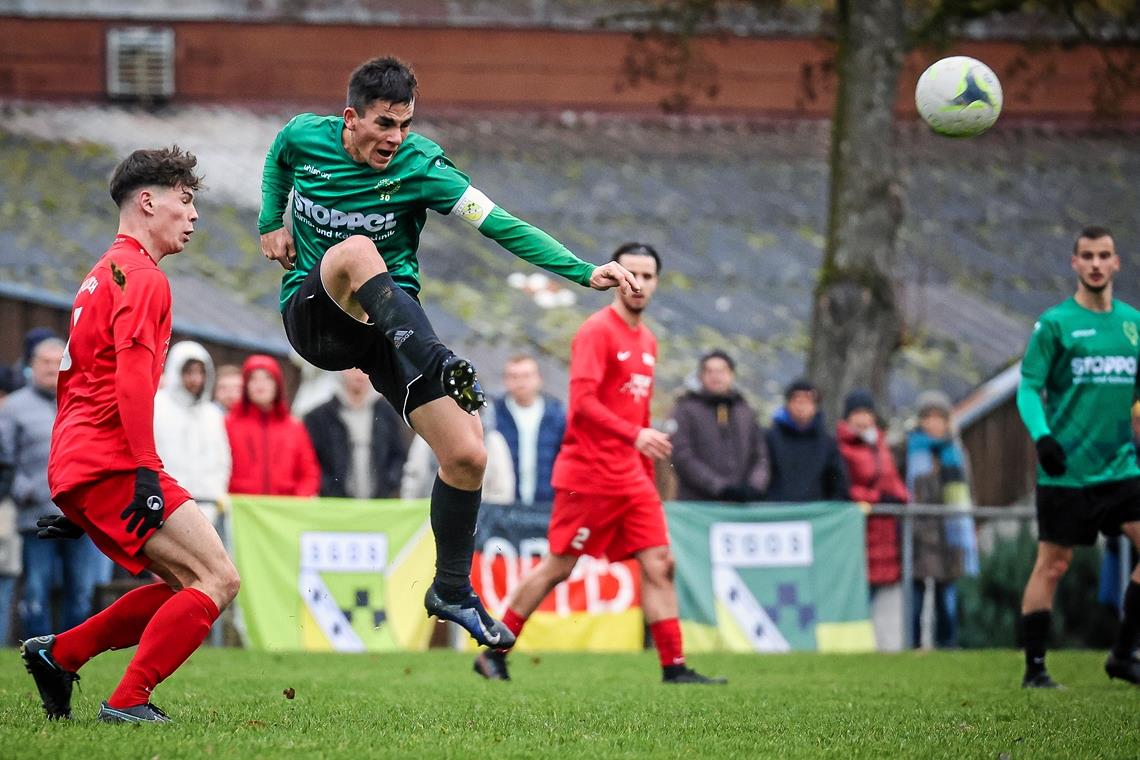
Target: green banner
[771,578]
[333,574]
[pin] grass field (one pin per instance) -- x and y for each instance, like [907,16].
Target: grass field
[229,703]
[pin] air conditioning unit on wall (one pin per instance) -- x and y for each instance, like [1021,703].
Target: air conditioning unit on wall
[140,63]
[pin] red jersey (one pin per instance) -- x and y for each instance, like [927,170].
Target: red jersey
[124,301]
[611,385]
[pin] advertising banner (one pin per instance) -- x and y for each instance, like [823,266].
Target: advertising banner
[771,578]
[333,574]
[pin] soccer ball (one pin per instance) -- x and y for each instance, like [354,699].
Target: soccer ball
[958,96]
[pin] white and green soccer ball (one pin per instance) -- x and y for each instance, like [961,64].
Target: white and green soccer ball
[958,96]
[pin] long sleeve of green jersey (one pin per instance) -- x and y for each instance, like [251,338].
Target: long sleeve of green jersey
[532,244]
[1035,366]
[276,182]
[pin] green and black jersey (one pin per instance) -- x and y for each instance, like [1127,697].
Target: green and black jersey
[335,197]
[1085,363]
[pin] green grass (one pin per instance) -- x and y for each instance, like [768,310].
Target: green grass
[229,703]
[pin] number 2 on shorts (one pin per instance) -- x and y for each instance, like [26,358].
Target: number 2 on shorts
[580,538]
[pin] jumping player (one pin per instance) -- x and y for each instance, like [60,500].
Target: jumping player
[605,500]
[361,185]
[1083,355]
[103,470]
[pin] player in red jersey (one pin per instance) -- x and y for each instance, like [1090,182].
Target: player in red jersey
[103,471]
[605,502]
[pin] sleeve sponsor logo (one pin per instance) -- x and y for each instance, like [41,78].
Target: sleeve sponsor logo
[88,285]
[473,207]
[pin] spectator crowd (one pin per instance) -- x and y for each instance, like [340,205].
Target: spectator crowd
[223,430]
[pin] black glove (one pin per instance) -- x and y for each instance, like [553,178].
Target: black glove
[57,526]
[1051,455]
[147,510]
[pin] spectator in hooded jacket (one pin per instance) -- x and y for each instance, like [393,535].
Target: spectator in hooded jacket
[271,450]
[190,430]
[874,479]
[532,423]
[803,456]
[719,450]
[359,440]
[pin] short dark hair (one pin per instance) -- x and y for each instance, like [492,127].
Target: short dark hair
[385,78]
[637,249]
[800,385]
[717,354]
[162,167]
[1091,232]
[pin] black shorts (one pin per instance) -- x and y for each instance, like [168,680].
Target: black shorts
[327,337]
[1073,516]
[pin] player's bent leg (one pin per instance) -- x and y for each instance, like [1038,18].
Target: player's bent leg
[1123,662]
[1036,611]
[355,277]
[659,602]
[188,553]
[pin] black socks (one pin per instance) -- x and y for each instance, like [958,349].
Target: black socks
[403,322]
[1130,624]
[1035,628]
[454,513]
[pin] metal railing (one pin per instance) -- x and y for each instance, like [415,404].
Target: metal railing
[907,513]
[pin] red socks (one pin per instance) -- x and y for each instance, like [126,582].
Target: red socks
[667,638]
[176,630]
[513,621]
[117,627]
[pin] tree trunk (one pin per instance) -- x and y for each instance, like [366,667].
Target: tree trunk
[856,324]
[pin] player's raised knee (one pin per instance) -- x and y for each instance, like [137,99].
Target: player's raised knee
[223,584]
[465,459]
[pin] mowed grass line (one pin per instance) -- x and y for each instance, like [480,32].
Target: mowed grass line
[229,703]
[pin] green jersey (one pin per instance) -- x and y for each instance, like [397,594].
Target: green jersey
[1085,362]
[335,197]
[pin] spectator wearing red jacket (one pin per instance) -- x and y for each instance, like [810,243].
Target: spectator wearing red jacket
[272,453]
[874,479]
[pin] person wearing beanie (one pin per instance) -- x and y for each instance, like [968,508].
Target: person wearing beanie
[874,479]
[945,548]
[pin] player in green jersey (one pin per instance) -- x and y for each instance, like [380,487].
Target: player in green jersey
[1082,355]
[361,186]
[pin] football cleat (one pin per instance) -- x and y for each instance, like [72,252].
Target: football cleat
[1039,680]
[471,616]
[462,384]
[147,713]
[682,674]
[53,682]
[1124,669]
[492,665]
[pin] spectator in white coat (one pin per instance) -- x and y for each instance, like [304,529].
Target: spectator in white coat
[190,430]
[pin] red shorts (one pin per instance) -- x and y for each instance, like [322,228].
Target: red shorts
[606,525]
[96,507]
